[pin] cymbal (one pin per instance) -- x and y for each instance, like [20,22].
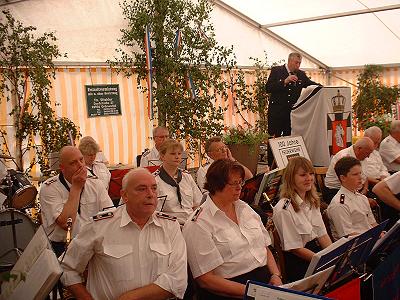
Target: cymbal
[6,156]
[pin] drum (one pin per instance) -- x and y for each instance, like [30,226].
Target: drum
[16,231]
[23,193]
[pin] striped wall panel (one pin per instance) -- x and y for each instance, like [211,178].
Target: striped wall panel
[123,137]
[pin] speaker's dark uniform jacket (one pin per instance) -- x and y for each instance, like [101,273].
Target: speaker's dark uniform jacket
[283,98]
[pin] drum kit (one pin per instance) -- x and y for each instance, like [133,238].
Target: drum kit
[16,227]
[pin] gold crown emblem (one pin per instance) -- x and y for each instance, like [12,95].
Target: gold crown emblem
[338,102]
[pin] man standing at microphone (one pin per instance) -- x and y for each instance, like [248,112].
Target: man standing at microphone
[70,198]
[285,84]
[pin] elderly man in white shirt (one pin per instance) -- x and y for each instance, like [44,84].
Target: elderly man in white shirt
[360,150]
[390,148]
[373,166]
[216,149]
[136,254]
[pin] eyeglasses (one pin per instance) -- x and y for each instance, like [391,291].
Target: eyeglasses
[238,183]
[220,149]
[162,136]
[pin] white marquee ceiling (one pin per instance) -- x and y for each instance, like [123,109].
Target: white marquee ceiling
[371,38]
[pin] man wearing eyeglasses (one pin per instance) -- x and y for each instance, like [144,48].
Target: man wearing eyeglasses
[215,150]
[152,157]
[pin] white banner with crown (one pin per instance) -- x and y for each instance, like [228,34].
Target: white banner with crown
[310,116]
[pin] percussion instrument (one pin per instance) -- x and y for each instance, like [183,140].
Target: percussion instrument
[16,231]
[19,189]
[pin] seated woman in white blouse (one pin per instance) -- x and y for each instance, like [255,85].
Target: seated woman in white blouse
[227,243]
[298,219]
[90,149]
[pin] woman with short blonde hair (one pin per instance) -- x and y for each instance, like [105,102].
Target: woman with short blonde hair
[89,149]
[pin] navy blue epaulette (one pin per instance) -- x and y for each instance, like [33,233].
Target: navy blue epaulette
[341,199]
[103,215]
[145,152]
[165,216]
[287,203]
[50,181]
[196,214]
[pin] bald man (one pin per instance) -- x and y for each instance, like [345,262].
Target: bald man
[70,195]
[390,148]
[373,166]
[360,150]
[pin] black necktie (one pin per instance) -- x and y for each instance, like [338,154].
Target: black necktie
[169,180]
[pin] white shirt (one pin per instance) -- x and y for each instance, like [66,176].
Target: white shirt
[352,214]
[215,242]
[190,193]
[296,229]
[150,158]
[101,171]
[331,179]
[123,257]
[373,166]
[53,195]
[393,183]
[201,174]
[101,158]
[390,150]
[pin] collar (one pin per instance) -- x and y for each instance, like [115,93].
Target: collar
[214,209]
[351,151]
[347,191]
[209,160]
[126,219]
[392,139]
[298,200]
[287,68]
[155,151]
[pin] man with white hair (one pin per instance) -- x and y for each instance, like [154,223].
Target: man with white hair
[360,150]
[133,253]
[373,166]
[390,148]
[152,157]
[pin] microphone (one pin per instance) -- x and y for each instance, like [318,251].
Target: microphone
[69,225]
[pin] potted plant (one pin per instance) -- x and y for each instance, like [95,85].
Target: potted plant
[244,145]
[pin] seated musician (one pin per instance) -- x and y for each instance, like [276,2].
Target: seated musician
[226,241]
[136,254]
[349,212]
[89,148]
[216,149]
[181,194]
[70,195]
[298,219]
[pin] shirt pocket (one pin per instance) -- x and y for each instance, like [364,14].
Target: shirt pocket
[118,260]
[224,241]
[161,253]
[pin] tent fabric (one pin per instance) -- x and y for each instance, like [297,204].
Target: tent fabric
[339,42]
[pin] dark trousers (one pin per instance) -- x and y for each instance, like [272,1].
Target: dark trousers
[295,266]
[260,274]
[278,125]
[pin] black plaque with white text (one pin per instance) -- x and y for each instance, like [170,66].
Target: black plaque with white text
[103,100]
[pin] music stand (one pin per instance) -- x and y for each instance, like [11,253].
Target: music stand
[260,290]
[355,256]
[385,245]
[270,185]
